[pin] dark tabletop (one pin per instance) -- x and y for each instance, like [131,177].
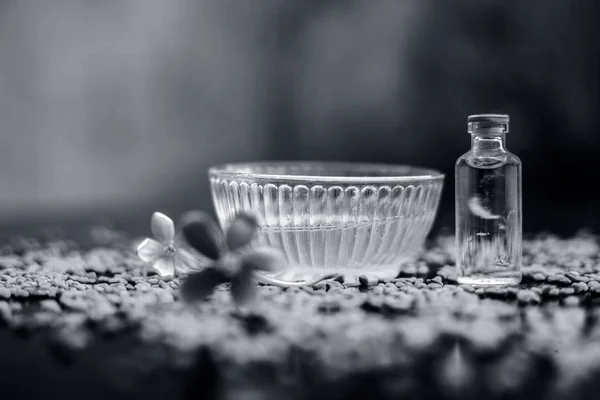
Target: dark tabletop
[90,321]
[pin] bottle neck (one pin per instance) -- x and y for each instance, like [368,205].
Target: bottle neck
[488,144]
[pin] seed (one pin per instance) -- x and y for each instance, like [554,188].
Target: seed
[50,305]
[437,279]
[558,279]
[378,290]
[579,287]
[567,291]
[554,292]
[467,288]
[528,297]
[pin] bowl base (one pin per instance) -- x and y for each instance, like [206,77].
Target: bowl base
[351,275]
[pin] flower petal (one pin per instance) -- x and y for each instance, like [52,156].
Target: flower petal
[203,234]
[165,266]
[241,231]
[264,259]
[150,250]
[163,228]
[243,287]
[199,285]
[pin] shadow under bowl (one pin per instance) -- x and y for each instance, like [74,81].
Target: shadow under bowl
[332,217]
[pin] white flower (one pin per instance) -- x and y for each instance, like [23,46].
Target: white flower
[166,257]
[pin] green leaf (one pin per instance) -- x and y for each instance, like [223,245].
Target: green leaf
[241,231]
[202,233]
[243,287]
[201,284]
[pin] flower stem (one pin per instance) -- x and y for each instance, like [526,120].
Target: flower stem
[287,284]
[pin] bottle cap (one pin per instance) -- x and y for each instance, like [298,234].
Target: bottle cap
[488,123]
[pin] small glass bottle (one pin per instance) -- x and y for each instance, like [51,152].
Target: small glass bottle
[488,206]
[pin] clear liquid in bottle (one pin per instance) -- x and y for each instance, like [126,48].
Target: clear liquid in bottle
[488,206]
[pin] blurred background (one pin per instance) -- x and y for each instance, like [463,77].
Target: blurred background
[110,110]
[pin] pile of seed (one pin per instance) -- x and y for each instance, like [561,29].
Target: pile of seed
[419,334]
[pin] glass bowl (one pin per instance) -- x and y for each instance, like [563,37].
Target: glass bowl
[348,218]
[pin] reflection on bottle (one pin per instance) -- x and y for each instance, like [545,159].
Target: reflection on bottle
[478,209]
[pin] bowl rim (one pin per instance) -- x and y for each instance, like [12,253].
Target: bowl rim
[232,171]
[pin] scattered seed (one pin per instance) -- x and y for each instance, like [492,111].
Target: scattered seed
[567,291]
[528,297]
[579,287]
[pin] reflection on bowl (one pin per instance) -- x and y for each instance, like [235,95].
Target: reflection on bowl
[347,218]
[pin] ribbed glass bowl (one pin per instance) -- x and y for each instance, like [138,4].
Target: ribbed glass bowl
[347,218]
